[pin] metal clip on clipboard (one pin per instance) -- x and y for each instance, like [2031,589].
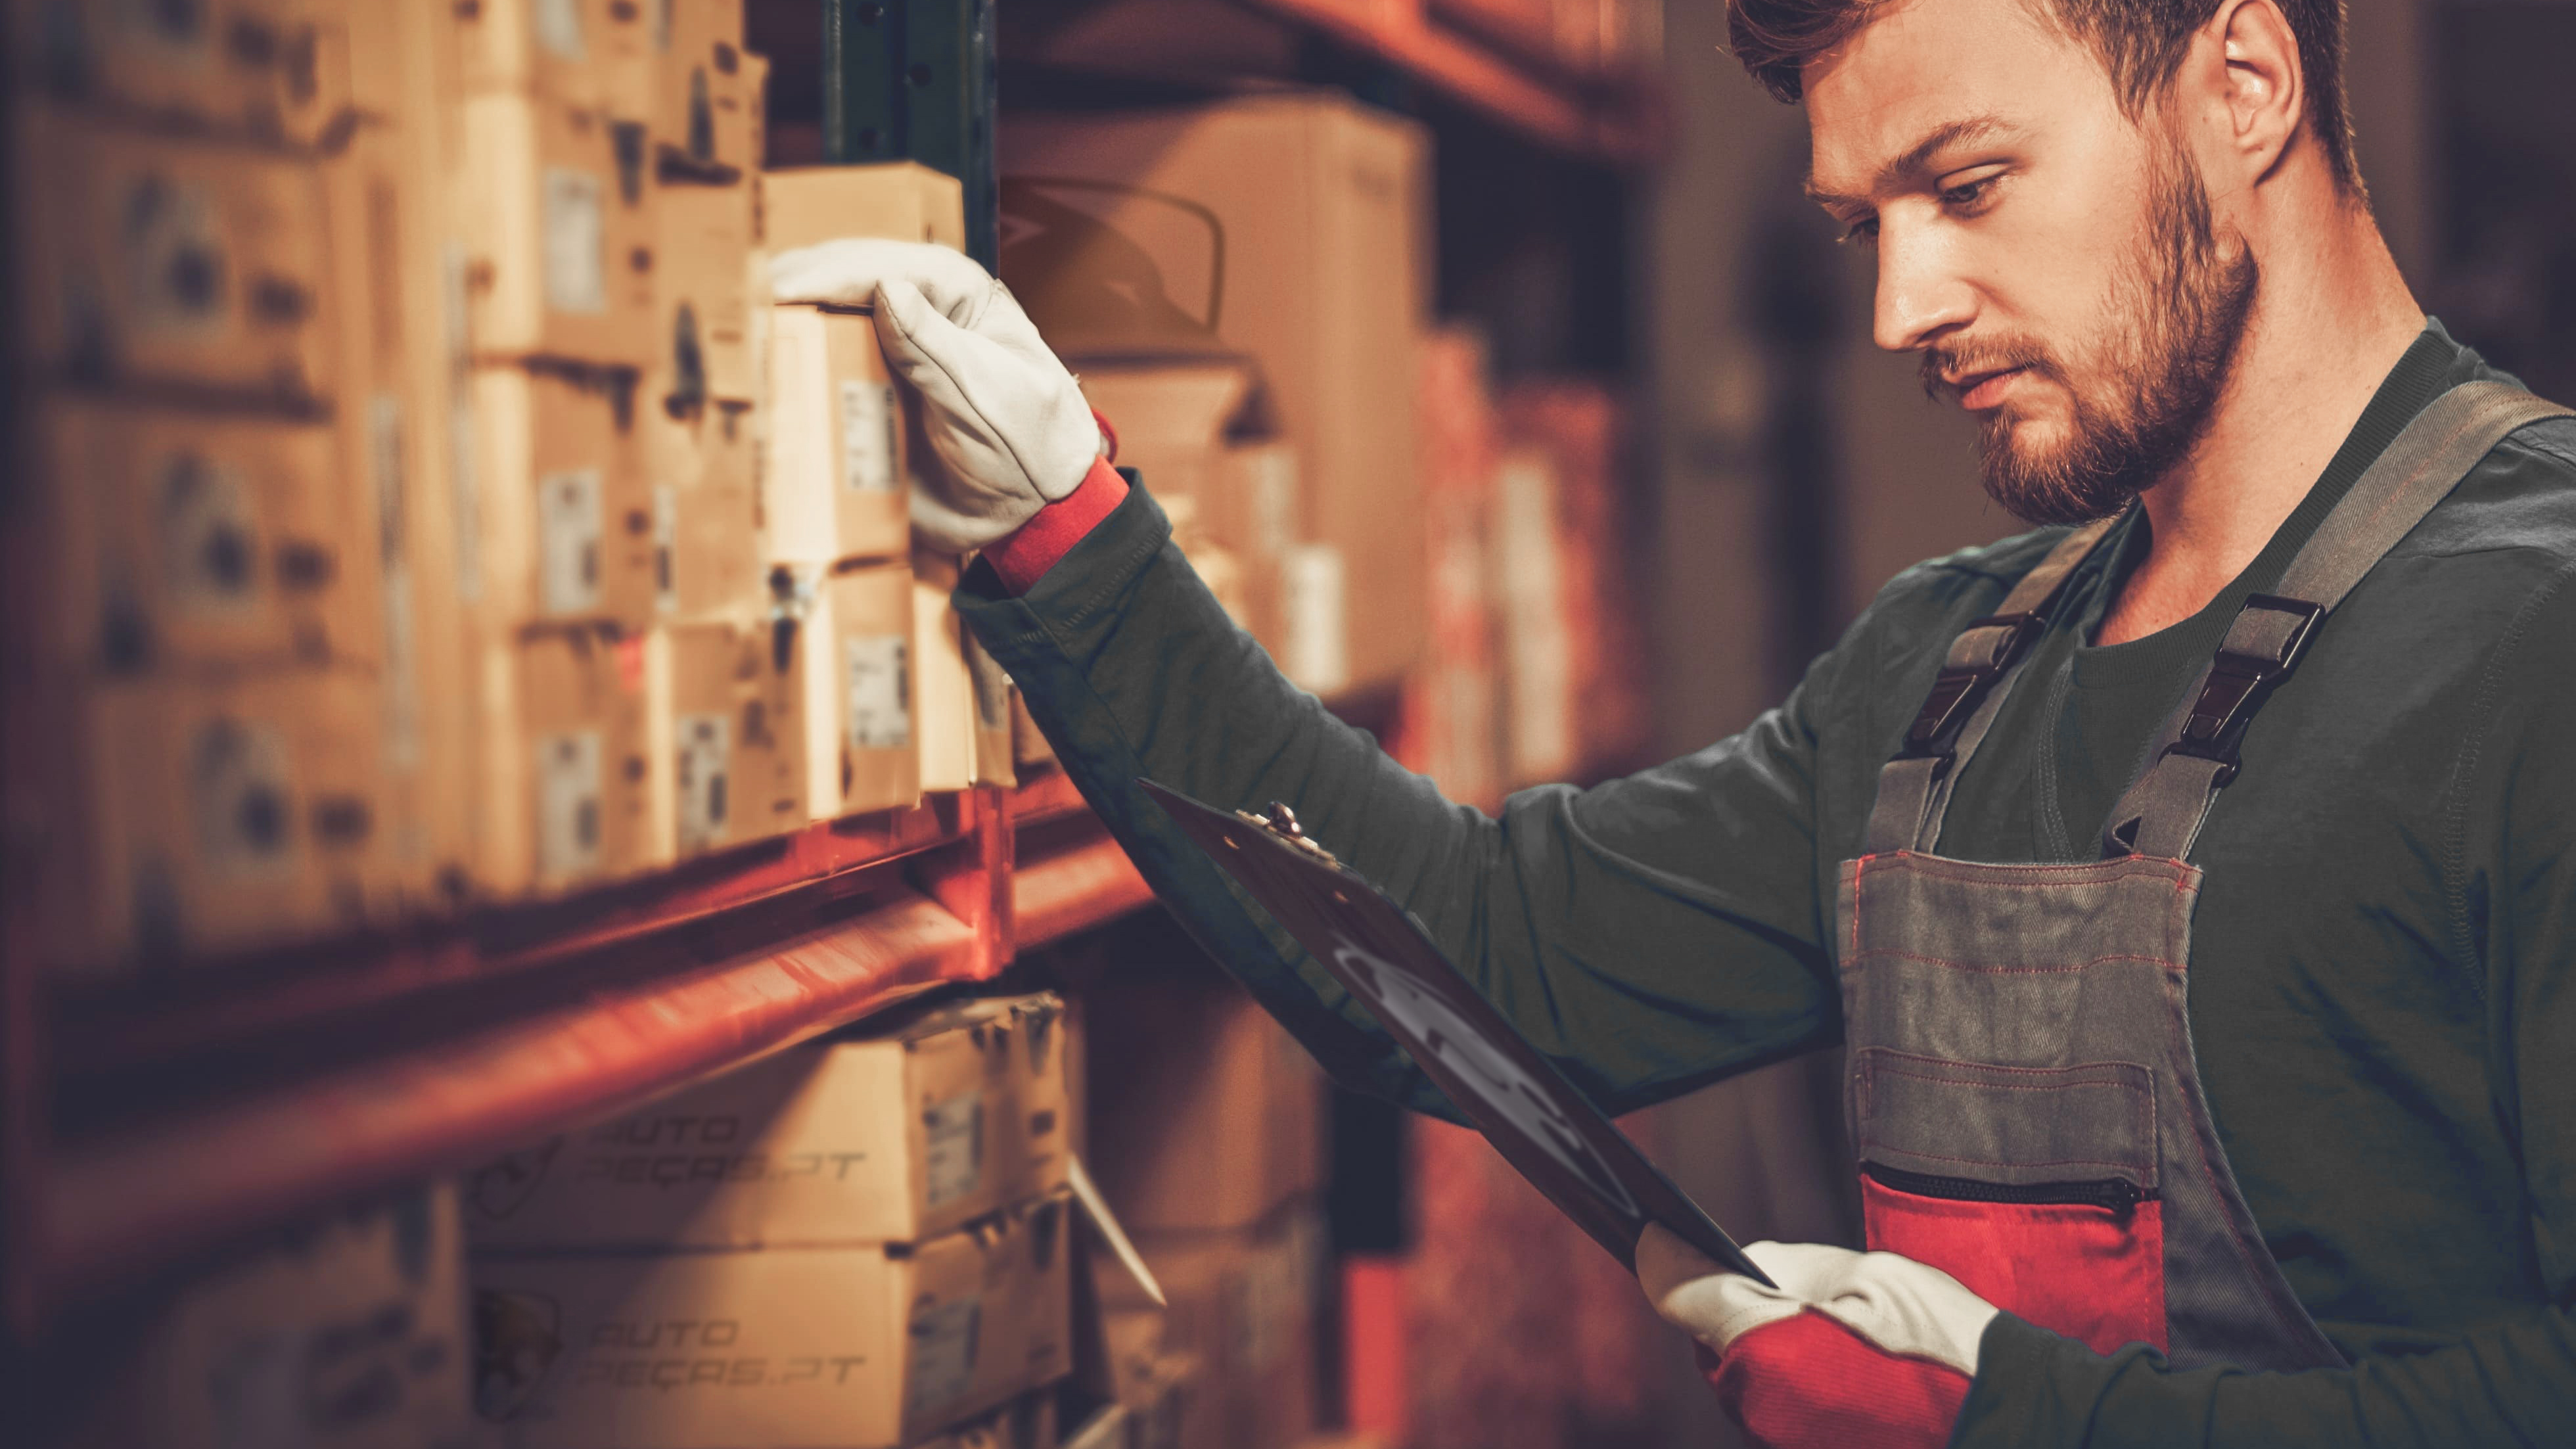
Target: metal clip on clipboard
[1541,1123]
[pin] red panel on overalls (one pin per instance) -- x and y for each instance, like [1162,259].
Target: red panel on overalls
[2095,1275]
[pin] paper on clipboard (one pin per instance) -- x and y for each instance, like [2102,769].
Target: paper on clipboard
[1539,1121]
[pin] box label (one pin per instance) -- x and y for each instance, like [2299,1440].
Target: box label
[209,535]
[953,1148]
[568,783]
[558,24]
[992,686]
[867,436]
[706,749]
[572,518]
[575,212]
[1311,579]
[666,547]
[876,692]
[177,277]
[242,800]
[943,1355]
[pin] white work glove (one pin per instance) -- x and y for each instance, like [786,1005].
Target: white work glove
[1852,1350]
[1007,421]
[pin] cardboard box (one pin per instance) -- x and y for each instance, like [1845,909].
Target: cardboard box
[706,511]
[1204,1112]
[1318,209]
[901,200]
[711,94]
[1540,730]
[346,1333]
[594,54]
[838,452]
[1027,1422]
[148,262]
[858,1347]
[557,210]
[226,66]
[195,538]
[565,762]
[895,1134]
[849,686]
[229,814]
[1243,1309]
[946,688]
[724,773]
[566,528]
[703,284]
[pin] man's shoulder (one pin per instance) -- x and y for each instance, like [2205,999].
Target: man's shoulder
[2519,499]
[1973,580]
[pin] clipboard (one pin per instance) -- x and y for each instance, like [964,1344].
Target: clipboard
[1539,1121]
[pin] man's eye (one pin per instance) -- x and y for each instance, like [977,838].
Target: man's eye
[1969,195]
[1861,233]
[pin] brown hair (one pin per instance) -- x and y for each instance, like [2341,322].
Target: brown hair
[2141,43]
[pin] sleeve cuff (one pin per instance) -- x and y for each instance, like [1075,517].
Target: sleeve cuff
[1023,558]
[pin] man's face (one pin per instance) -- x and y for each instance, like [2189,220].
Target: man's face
[2055,264]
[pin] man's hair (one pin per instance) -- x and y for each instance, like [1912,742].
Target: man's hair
[2140,42]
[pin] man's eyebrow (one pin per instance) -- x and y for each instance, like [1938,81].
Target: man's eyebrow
[1947,134]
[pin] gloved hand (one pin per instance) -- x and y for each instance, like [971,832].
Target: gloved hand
[1852,1350]
[1005,418]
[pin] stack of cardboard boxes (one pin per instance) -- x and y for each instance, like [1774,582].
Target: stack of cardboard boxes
[1207,1126]
[217,640]
[862,1242]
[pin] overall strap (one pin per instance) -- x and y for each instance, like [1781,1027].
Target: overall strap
[1914,787]
[2162,812]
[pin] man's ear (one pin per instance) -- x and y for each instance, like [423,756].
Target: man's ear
[2265,95]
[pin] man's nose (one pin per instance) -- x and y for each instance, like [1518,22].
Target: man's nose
[1921,293]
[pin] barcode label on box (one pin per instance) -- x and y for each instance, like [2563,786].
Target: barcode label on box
[952,1148]
[575,211]
[867,436]
[558,24]
[876,692]
[943,1355]
[210,535]
[242,800]
[1311,579]
[568,781]
[571,519]
[706,750]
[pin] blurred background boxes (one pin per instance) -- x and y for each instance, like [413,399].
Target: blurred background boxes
[558,217]
[730,762]
[838,453]
[197,267]
[594,55]
[1244,1306]
[861,1346]
[347,1332]
[906,1131]
[563,739]
[1291,228]
[565,520]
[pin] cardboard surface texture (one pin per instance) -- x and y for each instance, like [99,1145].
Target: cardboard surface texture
[892,1136]
[557,204]
[900,200]
[1290,228]
[595,54]
[565,762]
[704,314]
[838,454]
[1243,1307]
[1027,1422]
[1204,1112]
[711,93]
[844,687]
[156,263]
[566,519]
[178,64]
[348,1334]
[192,538]
[706,511]
[855,1348]
[723,772]
[944,684]
[227,814]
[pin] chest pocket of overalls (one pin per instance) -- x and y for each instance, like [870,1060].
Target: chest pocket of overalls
[2034,1186]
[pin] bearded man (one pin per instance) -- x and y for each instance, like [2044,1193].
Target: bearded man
[2192,882]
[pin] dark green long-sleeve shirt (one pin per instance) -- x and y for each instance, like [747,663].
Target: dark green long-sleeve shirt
[2383,968]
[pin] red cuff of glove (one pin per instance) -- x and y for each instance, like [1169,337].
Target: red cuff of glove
[1808,1382]
[1024,557]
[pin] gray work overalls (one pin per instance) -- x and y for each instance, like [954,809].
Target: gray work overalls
[2021,1088]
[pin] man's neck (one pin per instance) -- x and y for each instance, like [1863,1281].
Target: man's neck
[2332,317]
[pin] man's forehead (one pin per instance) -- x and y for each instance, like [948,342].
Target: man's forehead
[1918,70]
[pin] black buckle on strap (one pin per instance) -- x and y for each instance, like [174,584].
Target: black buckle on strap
[2258,652]
[1959,688]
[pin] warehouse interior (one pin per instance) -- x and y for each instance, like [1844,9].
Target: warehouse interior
[527,920]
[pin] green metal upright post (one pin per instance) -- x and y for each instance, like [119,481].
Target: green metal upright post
[914,79]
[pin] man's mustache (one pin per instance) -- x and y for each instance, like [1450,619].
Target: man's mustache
[1940,365]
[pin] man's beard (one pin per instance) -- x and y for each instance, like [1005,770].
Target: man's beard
[2179,312]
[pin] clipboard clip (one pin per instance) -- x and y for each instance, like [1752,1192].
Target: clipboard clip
[1281,821]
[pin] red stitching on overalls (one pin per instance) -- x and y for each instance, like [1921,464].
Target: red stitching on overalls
[1998,1162]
